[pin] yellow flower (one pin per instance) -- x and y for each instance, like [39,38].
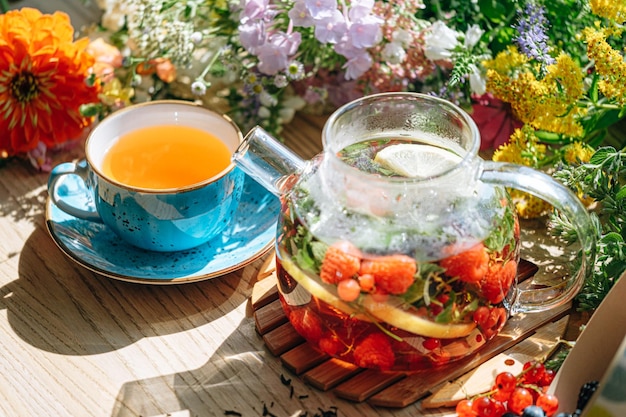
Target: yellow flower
[577,153]
[115,94]
[42,81]
[609,63]
[546,104]
[523,148]
[611,9]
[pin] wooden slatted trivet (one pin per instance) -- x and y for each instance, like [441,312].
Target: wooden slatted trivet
[387,389]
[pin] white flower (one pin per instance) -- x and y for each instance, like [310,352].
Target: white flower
[478,83]
[198,88]
[114,13]
[264,112]
[290,106]
[393,53]
[440,41]
[403,37]
[472,36]
[267,100]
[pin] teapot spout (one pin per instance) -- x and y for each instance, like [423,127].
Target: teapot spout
[267,161]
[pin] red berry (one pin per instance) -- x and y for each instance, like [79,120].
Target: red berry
[520,399]
[375,351]
[481,315]
[498,408]
[506,381]
[464,409]
[500,395]
[431,343]
[483,407]
[348,290]
[393,274]
[497,281]
[549,403]
[341,261]
[366,282]
[331,345]
[468,266]
[547,378]
[306,323]
[533,372]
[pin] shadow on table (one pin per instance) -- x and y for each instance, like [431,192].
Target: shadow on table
[61,307]
[236,380]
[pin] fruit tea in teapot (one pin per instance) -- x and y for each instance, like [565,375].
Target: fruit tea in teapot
[397,246]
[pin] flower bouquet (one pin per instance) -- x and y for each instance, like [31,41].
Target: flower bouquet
[544,80]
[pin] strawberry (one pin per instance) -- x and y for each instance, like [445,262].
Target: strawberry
[393,274]
[341,261]
[497,281]
[469,266]
[306,323]
[374,352]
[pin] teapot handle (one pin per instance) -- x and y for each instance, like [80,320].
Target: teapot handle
[561,198]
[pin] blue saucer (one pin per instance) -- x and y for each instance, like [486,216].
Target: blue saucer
[249,236]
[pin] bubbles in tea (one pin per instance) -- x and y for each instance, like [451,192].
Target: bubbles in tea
[168,156]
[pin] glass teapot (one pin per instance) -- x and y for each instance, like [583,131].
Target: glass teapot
[398,246]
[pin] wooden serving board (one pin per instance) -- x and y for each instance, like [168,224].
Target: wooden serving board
[399,389]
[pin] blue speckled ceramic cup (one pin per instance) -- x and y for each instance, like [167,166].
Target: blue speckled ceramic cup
[158,220]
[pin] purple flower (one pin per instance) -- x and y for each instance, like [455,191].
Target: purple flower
[532,39]
[252,35]
[253,9]
[366,32]
[290,41]
[332,28]
[274,54]
[360,9]
[272,58]
[358,65]
[320,9]
[300,15]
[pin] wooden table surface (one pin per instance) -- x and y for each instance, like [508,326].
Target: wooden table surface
[75,343]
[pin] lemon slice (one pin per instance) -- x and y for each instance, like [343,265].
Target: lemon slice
[395,312]
[415,160]
[318,289]
[392,311]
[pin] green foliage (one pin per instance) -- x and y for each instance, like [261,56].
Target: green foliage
[603,178]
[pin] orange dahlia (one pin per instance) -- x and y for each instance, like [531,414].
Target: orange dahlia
[43,74]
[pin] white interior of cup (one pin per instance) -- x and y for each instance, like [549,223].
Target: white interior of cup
[158,113]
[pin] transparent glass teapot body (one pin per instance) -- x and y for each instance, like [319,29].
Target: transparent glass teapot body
[397,246]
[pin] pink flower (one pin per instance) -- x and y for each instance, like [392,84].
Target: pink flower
[107,57]
[494,120]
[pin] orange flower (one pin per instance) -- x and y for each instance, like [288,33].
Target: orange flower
[42,81]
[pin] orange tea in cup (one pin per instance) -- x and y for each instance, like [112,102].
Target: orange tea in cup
[165,157]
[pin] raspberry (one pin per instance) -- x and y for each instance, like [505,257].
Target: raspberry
[341,261]
[393,274]
[306,323]
[469,266]
[331,345]
[496,283]
[374,352]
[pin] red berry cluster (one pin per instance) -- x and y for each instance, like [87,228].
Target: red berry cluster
[512,394]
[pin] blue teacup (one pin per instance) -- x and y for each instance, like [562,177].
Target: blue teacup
[161,220]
